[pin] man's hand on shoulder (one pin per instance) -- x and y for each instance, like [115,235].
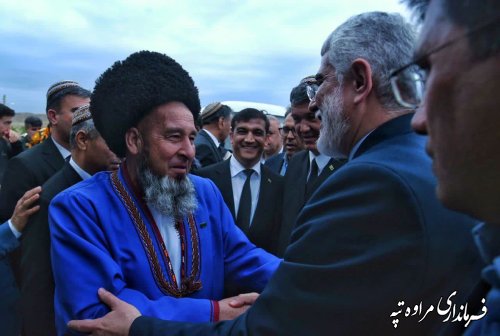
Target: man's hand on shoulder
[24,209]
[232,307]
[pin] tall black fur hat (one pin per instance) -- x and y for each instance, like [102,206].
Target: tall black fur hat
[129,90]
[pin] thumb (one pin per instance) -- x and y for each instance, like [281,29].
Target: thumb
[108,298]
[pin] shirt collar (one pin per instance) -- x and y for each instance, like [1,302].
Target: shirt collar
[357,145]
[83,174]
[321,160]
[214,139]
[64,152]
[237,168]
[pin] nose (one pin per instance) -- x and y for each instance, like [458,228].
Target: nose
[249,137]
[187,149]
[419,120]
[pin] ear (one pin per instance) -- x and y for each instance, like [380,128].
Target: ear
[361,79]
[51,115]
[81,140]
[231,137]
[133,140]
[220,123]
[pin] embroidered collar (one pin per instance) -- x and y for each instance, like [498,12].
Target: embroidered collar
[167,285]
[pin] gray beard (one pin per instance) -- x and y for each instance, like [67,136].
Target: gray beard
[334,125]
[169,196]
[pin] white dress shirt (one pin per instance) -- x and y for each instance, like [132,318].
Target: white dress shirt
[238,179]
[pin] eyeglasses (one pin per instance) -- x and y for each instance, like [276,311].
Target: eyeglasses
[311,91]
[408,82]
[285,130]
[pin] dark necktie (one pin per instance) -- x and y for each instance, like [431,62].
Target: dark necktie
[245,207]
[312,178]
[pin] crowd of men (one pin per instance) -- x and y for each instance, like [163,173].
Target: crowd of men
[135,217]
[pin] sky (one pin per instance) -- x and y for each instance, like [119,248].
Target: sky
[248,50]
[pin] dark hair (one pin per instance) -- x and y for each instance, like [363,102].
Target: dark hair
[87,126]
[131,89]
[6,111]
[32,121]
[298,96]
[469,14]
[54,101]
[224,112]
[248,114]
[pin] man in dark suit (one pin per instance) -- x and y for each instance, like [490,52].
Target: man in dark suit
[89,154]
[373,242]
[291,144]
[33,167]
[308,169]
[209,142]
[261,223]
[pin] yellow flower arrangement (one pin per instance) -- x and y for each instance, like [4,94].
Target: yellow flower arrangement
[39,137]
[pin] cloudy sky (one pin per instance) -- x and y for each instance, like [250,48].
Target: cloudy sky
[251,50]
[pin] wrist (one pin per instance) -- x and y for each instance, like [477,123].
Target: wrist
[215,310]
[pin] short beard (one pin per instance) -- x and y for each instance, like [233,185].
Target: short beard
[169,196]
[334,125]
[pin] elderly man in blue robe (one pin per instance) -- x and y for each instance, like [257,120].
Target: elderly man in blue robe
[150,233]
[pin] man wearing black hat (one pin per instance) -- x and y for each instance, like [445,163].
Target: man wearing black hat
[216,121]
[151,233]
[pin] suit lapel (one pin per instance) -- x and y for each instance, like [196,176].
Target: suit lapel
[70,174]
[226,187]
[51,155]
[331,167]
[214,146]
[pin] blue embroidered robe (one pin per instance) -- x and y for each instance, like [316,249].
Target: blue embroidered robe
[95,243]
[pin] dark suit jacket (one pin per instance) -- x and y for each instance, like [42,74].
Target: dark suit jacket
[264,228]
[274,163]
[27,170]
[37,286]
[207,151]
[295,196]
[372,235]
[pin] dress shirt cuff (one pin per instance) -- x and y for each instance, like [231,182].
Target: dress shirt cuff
[215,310]
[16,233]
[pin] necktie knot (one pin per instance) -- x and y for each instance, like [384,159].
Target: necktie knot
[248,172]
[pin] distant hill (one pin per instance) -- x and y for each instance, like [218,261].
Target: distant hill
[18,122]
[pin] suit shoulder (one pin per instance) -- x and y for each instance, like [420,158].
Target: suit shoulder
[90,189]
[210,170]
[55,184]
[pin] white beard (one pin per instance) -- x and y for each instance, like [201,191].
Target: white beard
[334,125]
[169,196]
